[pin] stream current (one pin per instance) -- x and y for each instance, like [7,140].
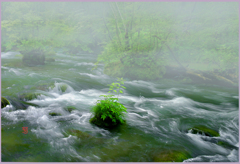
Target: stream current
[159,116]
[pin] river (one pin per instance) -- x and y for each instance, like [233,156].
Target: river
[159,115]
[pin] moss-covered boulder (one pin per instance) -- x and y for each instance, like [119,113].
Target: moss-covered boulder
[107,123]
[69,108]
[204,130]
[54,114]
[29,96]
[4,102]
[33,58]
[226,145]
[108,114]
[172,156]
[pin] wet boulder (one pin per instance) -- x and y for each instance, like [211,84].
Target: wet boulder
[33,58]
[55,114]
[226,145]
[203,130]
[4,102]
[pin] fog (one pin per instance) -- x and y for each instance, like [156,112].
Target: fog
[170,33]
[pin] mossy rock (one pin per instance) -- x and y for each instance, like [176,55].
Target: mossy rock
[63,87]
[18,104]
[50,60]
[29,96]
[107,123]
[55,114]
[226,145]
[4,102]
[33,58]
[112,113]
[204,130]
[70,108]
[172,156]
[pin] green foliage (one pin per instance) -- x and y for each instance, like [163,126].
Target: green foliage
[108,113]
[63,87]
[142,38]
[116,87]
[70,108]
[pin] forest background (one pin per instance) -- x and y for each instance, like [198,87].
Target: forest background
[137,40]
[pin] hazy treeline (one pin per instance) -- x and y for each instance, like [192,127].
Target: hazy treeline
[133,39]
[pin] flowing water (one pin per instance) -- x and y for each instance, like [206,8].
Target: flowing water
[159,116]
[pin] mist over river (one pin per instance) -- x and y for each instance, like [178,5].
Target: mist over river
[160,114]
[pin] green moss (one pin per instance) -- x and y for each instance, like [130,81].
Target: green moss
[172,156]
[55,114]
[4,102]
[63,87]
[70,108]
[204,130]
[29,96]
[226,145]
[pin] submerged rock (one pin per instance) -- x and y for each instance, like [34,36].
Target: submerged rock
[87,140]
[79,134]
[204,130]
[4,102]
[172,156]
